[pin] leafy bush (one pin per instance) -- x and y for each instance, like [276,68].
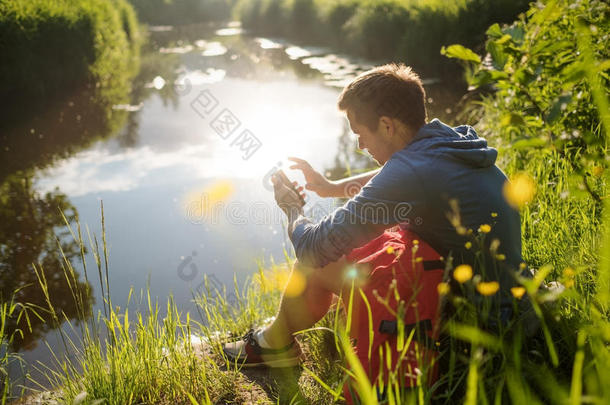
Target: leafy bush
[50,49]
[181,11]
[545,86]
[543,108]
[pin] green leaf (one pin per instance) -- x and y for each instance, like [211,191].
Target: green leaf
[460,52]
[527,143]
[497,75]
[474,335]
[480,78]
[574,72]
[504,39]
[602,66]
[512,119]
[524,75]
[498,57]
[494,31]
[516,32]
[558,107]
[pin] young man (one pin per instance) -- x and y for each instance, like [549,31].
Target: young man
[436,181]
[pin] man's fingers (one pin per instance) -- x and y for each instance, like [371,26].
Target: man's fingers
[297,160]
[300,166]
[274,179]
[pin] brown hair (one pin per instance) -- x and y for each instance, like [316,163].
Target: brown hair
[391,90]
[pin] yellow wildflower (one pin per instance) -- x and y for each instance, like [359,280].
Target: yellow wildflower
[520,190]
[501,256]
[443,288]
[462,273]
[517,292]
[522,266]
[597,171]
[468,245]
[488,288]
[415,242]
[493,246]
[485,228]
[494,214]
[390,250]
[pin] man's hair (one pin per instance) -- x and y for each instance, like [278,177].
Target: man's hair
[391,90]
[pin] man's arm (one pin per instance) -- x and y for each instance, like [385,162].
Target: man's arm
[388,199]
[350,186]
[316,182]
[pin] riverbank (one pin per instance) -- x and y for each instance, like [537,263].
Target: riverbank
[52,50]
[412,32]
[382,30]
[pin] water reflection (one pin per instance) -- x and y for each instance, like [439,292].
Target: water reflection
[32,234]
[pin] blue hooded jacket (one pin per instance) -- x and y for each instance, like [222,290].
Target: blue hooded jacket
[443,173]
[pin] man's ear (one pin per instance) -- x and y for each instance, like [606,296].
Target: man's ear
[387,125]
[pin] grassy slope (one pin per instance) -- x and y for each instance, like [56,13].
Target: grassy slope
[148,359]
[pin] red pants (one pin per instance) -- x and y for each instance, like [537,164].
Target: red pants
[402,273]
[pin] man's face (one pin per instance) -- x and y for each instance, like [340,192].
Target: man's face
[373,141]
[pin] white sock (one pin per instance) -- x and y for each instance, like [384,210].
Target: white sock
[260,338]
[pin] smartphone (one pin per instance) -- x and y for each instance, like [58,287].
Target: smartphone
[284,179]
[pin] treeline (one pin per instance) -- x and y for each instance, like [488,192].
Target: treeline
[176,12]
[50,49]
[412,31]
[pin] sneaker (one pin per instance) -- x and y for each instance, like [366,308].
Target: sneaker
[248,353]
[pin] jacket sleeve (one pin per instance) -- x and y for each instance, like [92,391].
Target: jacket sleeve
[383,202]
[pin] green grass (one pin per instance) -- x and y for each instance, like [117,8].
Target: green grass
[133,357]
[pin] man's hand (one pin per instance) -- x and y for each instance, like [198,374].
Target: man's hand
[316,182]
[287,199]
[344,188]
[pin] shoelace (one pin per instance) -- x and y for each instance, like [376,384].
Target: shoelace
[249,337]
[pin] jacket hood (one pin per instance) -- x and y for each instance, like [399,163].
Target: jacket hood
[460,143]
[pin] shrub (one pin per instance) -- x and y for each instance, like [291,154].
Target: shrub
[52,48]
[182,11]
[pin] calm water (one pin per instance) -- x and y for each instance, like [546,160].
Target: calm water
[184,178]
